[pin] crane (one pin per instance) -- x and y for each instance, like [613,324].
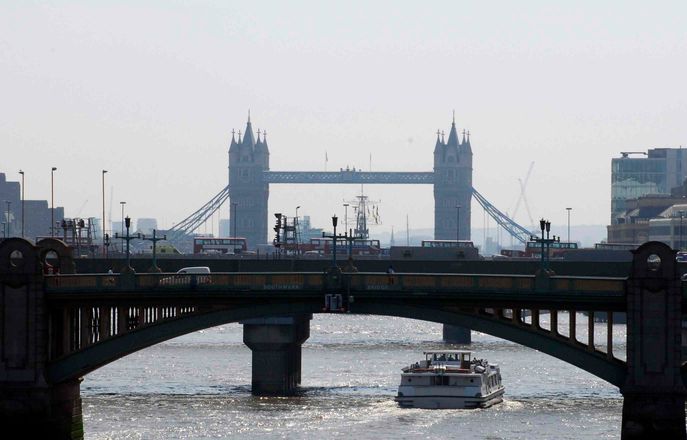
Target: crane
[522,197]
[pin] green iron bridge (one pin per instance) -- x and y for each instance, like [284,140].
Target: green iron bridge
[58,328]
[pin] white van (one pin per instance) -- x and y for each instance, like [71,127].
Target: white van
[188,275]
[194,269]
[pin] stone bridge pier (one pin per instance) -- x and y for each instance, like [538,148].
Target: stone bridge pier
[29,405]
[654,392]
[276,346]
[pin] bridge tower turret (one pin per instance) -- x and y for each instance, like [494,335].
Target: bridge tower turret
[248,191]
[452,185]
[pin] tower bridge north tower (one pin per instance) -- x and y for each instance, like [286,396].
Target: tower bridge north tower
[250,177]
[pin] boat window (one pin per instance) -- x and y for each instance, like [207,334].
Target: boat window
[440,380]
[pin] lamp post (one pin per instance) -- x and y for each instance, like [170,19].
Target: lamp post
[335,220]
[9,223]
[296,231]
[52,201]
[568,209]
[154,239]
[458,223]
[106,243]
[102,226]
[122,230]
[682,215]
[22,203]
[345,205]
[335,238]
[128,238]
[545,225]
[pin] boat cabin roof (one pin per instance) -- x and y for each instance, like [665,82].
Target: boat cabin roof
[450,356]
[448,351]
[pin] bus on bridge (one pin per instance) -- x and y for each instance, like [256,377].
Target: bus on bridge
[556,249]
[211,245]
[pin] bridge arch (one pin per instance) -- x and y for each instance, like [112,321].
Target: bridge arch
[102,353]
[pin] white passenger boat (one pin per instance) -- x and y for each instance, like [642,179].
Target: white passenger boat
[450,379]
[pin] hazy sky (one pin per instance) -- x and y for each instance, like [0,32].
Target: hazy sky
[150,91]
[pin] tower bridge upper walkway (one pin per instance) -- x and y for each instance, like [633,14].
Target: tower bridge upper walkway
[350,176]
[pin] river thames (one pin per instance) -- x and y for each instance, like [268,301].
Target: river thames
[198,387]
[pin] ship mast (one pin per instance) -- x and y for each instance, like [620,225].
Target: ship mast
[363,208]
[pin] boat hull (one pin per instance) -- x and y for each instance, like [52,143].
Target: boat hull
[450,402]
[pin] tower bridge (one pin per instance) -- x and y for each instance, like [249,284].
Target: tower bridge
[250,177]
[57,328]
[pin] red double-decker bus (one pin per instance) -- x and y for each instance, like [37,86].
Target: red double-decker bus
[227,245]
[556,249]
[324,246]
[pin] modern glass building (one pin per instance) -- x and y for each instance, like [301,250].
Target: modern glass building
[657,173]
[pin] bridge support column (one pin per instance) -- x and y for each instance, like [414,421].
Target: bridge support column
[654,393]
[276,346]
[29,404]
[47,411]
[455,334]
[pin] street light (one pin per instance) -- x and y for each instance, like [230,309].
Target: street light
[682,214]
[52,201]
[22,203]
[569,209]
[335,220]
[346,215]
[296,231]
[545,240]
[154,239]
[9,223]
[122,203]
[102,226]
[458,223]
[128,238]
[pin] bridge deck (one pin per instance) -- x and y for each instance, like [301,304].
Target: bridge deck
[561,292]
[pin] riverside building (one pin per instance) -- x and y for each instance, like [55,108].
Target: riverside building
[655,172]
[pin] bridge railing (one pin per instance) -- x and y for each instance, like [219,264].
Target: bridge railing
[602,288]
[173,281]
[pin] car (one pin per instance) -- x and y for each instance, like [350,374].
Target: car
[681,257]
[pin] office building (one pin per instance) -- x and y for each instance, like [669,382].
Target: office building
[655,174]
